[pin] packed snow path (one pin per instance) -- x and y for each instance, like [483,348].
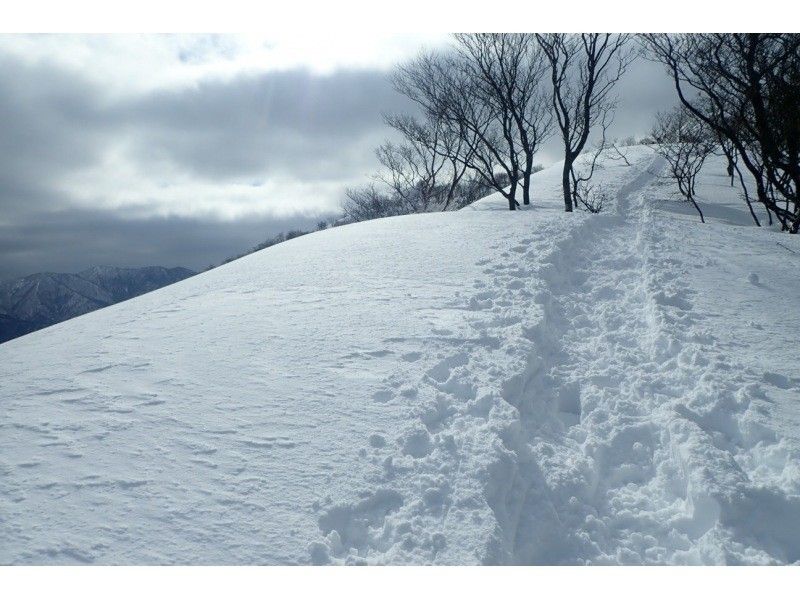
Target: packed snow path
[629,441]
[480,387]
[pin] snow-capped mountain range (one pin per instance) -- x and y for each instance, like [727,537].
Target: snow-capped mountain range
[40,300]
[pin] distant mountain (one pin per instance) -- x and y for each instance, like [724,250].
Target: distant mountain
[40,300]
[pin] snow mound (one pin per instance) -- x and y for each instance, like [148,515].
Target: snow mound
[471,387]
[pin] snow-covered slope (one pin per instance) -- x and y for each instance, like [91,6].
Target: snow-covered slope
[39,300]
[472,387]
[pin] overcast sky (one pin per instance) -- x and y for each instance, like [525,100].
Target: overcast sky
[183,150]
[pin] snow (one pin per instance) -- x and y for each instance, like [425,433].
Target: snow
[472,387]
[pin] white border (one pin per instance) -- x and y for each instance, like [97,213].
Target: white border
[392,16]
[398,16]
[399,582]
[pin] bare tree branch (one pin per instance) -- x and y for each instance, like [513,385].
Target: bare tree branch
[583,72]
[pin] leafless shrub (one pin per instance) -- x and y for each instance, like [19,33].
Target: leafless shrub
[685,143]
[615,153]
[593,198]
[367,203]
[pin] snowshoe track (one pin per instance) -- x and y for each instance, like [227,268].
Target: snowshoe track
[589,413]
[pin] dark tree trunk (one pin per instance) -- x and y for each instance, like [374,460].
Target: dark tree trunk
[526,181]
[696,207]
[512,196]
[566,185]
[747,196]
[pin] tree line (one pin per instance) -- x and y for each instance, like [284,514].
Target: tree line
[743,89]
[486,105]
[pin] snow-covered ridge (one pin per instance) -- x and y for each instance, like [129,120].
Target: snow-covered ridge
[472,387]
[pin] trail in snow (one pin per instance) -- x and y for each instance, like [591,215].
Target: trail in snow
[625,437]
[634,422]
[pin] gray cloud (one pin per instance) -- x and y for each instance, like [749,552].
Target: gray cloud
[55,123]
[72,240]
[289,122]
[248,129]
[51,125]
[644,90]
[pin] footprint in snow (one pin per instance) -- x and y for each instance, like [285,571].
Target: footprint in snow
[417,444]
[411,356]
[383,396]
[377,441]
[781,381]
[348,526]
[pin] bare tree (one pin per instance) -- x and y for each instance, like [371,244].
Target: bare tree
[685,143]
[368,203]
[590,197]
[583,70]
[409,173]
[441,85]
[507,70]
[488,93]
[746,87]
[428,166]
[729,151]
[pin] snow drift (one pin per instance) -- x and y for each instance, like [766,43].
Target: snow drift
[473,387]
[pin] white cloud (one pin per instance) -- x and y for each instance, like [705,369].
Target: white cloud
[208,126]
[130,64]
[119,184]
